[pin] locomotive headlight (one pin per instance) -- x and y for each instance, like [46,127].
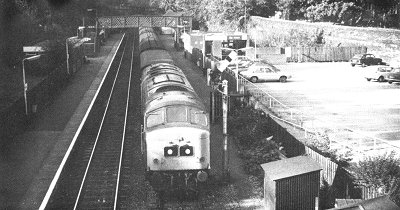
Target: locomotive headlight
[186,150]
[171,151]
[202,159]
[156,161]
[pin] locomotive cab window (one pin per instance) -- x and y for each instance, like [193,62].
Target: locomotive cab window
[154,118]
[176,114]
[198,117]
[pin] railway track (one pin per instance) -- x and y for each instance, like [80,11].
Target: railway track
[91,176]
[105,168]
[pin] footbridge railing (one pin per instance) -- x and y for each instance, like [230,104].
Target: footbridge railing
[132,21]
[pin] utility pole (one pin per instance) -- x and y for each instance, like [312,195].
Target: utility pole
[225,128]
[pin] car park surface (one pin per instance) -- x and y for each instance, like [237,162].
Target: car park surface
[337,95]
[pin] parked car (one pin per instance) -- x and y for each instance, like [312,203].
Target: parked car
[378,73]
[393,76]
[366,59]
[241,62]
[261,71]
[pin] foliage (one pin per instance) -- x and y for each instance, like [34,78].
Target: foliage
[394,194]
[320,142]
[232,12]
[323,11]
[292,9]
[381,172]
[360,12]
[248,126]
[287,37]
[326,196]
[263,8]
[349,13]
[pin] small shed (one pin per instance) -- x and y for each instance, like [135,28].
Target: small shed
[291,183]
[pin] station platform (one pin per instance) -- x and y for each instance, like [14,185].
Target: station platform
[29,161]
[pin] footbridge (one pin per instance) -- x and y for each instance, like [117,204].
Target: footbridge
[133,21]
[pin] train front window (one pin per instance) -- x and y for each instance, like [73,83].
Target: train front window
[154,118]
[198,117]
[176,114]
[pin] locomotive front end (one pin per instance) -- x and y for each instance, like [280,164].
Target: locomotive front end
[177,147]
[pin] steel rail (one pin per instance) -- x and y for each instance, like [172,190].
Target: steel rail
[124,131]
[56,177]
[99,131]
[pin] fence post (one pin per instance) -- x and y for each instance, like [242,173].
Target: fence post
[224,127]
[208,77]
[212,106]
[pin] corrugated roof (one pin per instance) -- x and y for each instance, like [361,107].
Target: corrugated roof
[290,167]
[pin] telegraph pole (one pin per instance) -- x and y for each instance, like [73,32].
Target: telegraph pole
[225,128]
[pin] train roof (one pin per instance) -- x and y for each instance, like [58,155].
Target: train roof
[164,83]
[160,68]
[173,98]
[150,57]
[148,40]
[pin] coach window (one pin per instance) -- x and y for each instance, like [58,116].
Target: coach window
[154,118]
[176,114]
[198,117]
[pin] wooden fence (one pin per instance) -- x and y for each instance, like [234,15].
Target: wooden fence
[329,168]
[322,54]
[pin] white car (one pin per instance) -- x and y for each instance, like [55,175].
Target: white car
[378,73]
[261,71]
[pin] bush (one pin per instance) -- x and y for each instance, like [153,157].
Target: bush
[320,143]
[380,172]
[326,196]
[249,129]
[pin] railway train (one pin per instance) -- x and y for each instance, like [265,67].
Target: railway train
[176,130]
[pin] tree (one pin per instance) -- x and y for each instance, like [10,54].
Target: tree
[263,8]
[380,172]
[293,9]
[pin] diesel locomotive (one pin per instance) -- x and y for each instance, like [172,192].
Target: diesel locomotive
[176,130]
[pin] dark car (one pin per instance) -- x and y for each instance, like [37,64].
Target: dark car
[393,76]
[365,60]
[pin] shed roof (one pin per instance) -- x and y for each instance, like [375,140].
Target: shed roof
[290,167]
[383,203]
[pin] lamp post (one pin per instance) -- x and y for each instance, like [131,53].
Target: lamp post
[67,50]
[95,38]
[35,57]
